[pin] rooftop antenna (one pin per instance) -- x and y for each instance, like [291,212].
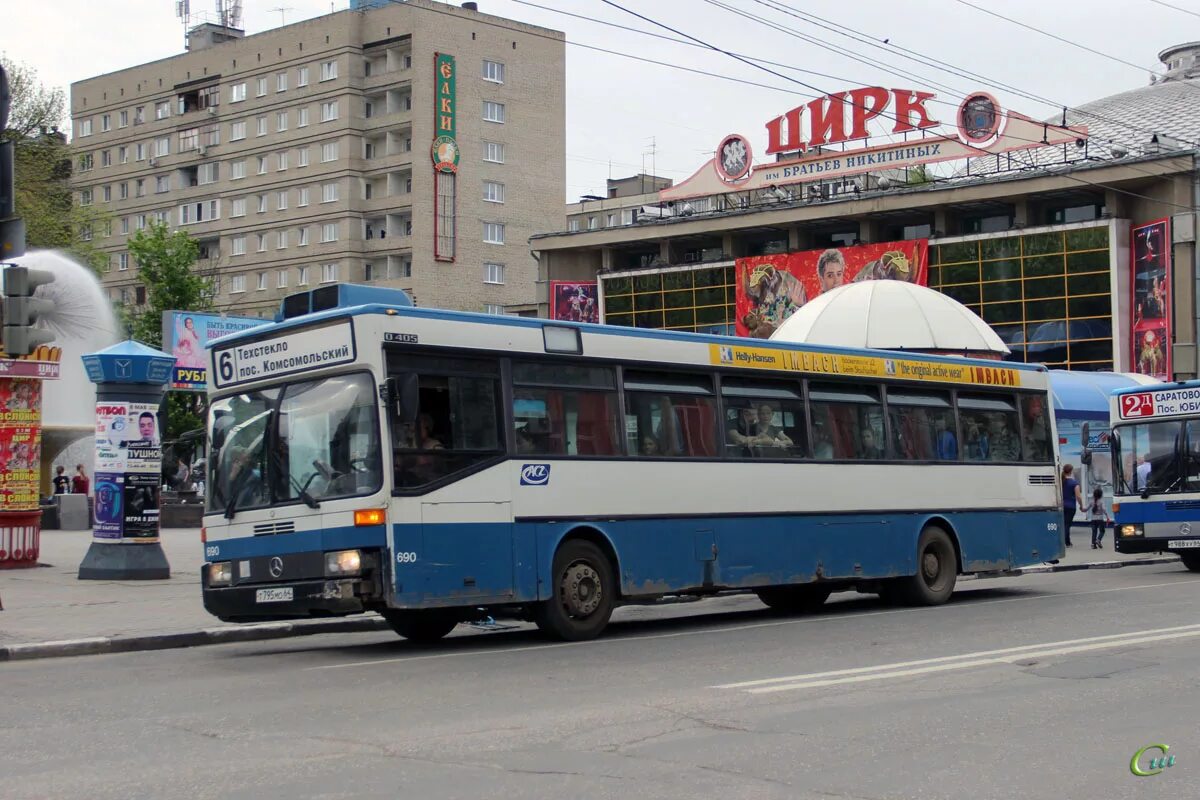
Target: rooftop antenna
[282,13]
[183,10]
[229,13]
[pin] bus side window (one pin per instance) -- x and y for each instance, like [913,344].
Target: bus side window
[560,409]
[763,419]
[989,426]
[847,422]
[671,415]
[922,426]
[1035,441]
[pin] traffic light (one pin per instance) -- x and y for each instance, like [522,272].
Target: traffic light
[22,310]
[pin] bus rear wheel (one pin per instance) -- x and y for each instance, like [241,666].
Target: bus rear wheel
[583,593]
[420,626]
[1191,561]
[794,599]
[937,572]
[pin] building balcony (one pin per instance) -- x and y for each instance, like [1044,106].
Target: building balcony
[387,244]
[385,203]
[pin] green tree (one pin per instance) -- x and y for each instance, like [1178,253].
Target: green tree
[920,174]
[42,171]
[167,268]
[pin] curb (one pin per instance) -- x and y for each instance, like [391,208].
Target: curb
[1130,562]
[101,645]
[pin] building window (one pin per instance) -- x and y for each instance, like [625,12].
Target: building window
[140,222]
[139,152]
[328,70]
[106,158]
[302,157]
[700,300]
[162,184]
[237,246]
[329,111]
[493,71]
[237,284]
[203,211]
[261,87]
[105,123]
[281,120]
[237,170]
[329,151]
[573,225]
[208,173]
[262,203]
[302,77]
[329,192]
[162,109]
[139,187]
[189,139]
[123,191]
[260,243]
[86,162]
[282,161]
[237,93]
[302,117]
[108,194]
[85,197]
[493,192]
[281,82]
[492,111]
[612,220]
[494,152]
[239,208]
[302,237]
[281,201]
[329,232]
[85,127]
[262,165]
[139,115]
[122,261]
[262,281]
[493,232]
[281,279]
[329,273]
[493,273]
[124,226]
[302,194]
[593,223]
[302,276]
[493,308]
[123,154]
[123,118]
[139,295]
[261,125]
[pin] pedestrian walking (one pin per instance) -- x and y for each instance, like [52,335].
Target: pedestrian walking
[1098,516]
[1072,499]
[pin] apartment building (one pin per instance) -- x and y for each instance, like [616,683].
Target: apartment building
[415,145]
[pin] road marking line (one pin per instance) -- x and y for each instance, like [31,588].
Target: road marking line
[942,659]
[1009,659]
[731,628]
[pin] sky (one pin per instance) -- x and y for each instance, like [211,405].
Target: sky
[623,113]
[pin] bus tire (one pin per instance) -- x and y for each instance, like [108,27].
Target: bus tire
[794,599]
[420,626]
[583,593]
[937,572]
[1191,561]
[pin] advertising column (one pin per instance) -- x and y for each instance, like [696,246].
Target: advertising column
[20,462]
[130,380]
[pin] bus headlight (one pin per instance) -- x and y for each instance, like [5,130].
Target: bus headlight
[343,562]
[1128,530]
[220,573]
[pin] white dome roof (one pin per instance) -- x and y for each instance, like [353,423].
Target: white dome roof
[889,315]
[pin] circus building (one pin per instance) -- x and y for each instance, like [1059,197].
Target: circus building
[1073,238]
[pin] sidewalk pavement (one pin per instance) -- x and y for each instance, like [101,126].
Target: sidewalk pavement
[49,612]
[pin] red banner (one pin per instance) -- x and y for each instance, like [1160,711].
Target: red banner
[574,302]
[771,288]
[1151,292]
[20,443]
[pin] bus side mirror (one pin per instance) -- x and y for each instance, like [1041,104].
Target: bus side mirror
[403,394]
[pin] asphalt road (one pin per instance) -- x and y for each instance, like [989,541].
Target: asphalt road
[1036,687]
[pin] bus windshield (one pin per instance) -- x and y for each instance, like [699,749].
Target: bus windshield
[1148,458]
[301,442]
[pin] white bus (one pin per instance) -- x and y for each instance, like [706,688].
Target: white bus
[434,466]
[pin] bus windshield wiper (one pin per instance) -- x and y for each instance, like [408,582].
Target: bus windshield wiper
[302,491]
[234,491]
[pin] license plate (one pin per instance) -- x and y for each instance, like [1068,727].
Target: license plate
[283,595]
[1179,544]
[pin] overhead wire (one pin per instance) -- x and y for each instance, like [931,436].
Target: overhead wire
[944,137]
[1176,8]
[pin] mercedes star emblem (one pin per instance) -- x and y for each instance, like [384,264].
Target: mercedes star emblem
[276,567]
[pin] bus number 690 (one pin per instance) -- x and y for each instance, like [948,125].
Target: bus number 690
[406,558]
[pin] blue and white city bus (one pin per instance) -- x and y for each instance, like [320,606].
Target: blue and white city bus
[437,466]
[1156,470]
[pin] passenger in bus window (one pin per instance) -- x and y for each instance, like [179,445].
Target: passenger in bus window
[770,435]
[649,446]
[741,434]
[869,449]
[822,446]
[947,444]
[1003,441]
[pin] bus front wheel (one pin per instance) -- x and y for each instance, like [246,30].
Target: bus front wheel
[937,572]
[1191,561]
[583,593]
[420,626]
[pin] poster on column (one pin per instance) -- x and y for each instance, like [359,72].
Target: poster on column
[771,288]
[129,465]
[1151,293]
[20,443]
